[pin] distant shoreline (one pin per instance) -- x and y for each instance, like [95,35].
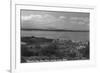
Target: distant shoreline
[56,30]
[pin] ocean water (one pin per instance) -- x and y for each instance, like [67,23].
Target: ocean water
[58,35]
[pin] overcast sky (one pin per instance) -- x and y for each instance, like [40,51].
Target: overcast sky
[54,20]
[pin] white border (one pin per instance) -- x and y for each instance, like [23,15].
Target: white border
[16,66]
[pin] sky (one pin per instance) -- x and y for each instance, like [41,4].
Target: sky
[37,19]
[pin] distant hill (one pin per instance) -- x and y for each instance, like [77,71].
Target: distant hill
[57,30]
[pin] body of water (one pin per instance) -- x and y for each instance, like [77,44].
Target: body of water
[58,35]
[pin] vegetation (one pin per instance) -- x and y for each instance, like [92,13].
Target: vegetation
[41,49]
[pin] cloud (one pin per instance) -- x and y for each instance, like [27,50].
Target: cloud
[81,23]
[26,18]
[47,20]
[79,20]
[62,17]
[84,19]
[42,21]
[44,18]
[30,17]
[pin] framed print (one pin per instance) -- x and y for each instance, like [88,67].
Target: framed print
[51,36]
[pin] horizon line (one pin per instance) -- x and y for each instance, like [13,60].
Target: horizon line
[59,30]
